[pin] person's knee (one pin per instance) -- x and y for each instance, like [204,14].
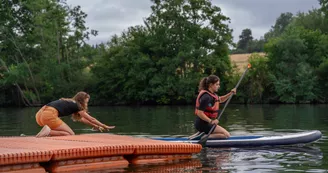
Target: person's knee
[227,135]
[69,133]
[64,130]
[222,132]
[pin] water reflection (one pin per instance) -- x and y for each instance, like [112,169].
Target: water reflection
[214,159]
[261,159]
[189,165]
[177,121]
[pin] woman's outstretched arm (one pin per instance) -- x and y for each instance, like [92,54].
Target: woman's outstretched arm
[88,119]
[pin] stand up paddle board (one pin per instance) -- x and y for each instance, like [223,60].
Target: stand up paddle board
[253,140]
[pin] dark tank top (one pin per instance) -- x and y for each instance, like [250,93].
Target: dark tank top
[64,108]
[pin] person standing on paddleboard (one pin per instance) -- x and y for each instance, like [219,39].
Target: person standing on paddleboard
[207,107]
[49,115]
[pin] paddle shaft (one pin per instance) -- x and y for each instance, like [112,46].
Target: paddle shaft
[213,127]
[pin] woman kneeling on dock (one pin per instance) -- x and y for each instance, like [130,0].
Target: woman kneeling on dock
[49,116]
[207,107]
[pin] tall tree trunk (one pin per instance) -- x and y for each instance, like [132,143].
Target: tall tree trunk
[29,69]
[25,101]
[58,43]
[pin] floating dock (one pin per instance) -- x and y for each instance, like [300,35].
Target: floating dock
[97,151]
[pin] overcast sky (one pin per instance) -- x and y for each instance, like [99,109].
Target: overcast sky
[113,16]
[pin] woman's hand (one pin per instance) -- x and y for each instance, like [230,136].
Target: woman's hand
[98,128]
[234,91]
[214,122]
[101,129]
[108,127]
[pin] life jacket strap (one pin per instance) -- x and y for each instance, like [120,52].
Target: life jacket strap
[215,111]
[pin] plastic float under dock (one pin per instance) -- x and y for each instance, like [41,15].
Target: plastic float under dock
[96,151]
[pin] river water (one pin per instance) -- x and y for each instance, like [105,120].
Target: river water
[173,121]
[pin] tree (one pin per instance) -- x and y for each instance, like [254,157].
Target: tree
[312,20]
[256,46]
[281,24]
[322,72]
[258,84]
[324,5]
[293,58]
[244,39]
[162,62]
[40,41]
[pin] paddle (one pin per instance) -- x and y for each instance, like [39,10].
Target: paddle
[203,140]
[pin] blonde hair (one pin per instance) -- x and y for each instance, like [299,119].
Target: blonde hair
[79,99]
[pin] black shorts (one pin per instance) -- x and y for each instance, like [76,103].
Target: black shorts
[202,126]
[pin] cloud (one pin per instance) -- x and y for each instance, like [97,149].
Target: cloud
[260,15]
[111,17]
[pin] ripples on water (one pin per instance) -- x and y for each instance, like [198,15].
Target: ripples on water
[253,160]
[262,159]
[178,122]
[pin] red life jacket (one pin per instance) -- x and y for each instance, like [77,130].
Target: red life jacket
[211,112]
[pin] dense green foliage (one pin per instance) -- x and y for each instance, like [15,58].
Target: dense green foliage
[163,62]
[247,44]
[42,47]
[44,55]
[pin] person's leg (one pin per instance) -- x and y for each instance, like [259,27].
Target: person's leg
[203,126]
[45,129]
[38,116]
[198,124]
[62,130]
[220,132]
[53,125]
[44,132]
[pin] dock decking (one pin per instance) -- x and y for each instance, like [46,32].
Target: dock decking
[86,152]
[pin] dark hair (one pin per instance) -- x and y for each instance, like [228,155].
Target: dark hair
[206,81]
